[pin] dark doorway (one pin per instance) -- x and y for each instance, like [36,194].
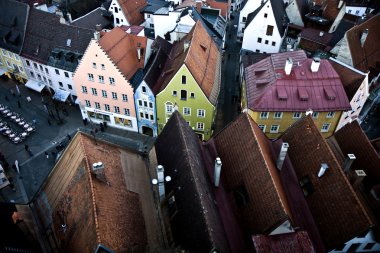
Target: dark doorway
[147,130]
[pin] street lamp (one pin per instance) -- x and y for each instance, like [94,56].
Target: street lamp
[160,181]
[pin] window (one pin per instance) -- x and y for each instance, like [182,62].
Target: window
[297,115]
[141,115]
[192,95]
[145,104]
[41,68]
[94,65]
[50,83]
[146,116]
[174,93]
[32,74]
[9,65]
[107,107]
[35,65]
[27,63]
[148,15]
[186,111]
[97,105]
[66,74]
[151,25]
[57,71]
[330,115]
[266,42]
[262,127]
[169,108]
[4,53]
[151,117]
[116,10]
[143,88]
[94,91]
[306,185]
[200,126]
[126,111]
[244,19]
[277,115]
[103,66]
[20,69]
[101,79]
[269,30]
[125,97]
[104,93]
[325,127]
[140,103]
[117,19]
[201,113]
[114,95]
[349,11]
[47,71]
[69,86]
[90,77]
[116,109]
[112,80]
[274,128]
[357,12]
[183,94]
[60,84]
[264,115]
[88,104]
[259,40]
[183,79]
[315,115]
[265,15]
[273,43]
[150,105]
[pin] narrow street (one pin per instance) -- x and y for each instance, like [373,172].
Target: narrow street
[229,96]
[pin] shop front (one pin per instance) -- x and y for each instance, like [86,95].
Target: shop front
[112,119]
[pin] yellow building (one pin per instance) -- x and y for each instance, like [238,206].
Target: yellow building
[282,88]
[12,65]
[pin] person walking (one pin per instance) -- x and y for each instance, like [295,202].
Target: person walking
[26,147]
[19,104]
[47,155]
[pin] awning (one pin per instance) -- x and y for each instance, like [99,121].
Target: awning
[34,85]
[2,72]
[61,95]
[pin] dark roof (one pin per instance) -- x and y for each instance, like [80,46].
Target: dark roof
[137,78]
[196,226]
[344,25]
[64,59]
[279,12]
[248,168]
[45,32]
[338,213]
[93,18]
[303,6]
[253,14]
[154,5]
[297,242]
[248,57]
[13,20]
[314,36]
[79,8]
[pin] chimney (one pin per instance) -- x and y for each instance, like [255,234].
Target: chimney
[97,35]
[139,51]
[186,45]
[282,155]
[364,37]
[161,181]
[348,162]
[69,17]
[35,5]
[288,66]
[357,178]
[315,64]
[98,27]
[340,4]
[321,33]
[217,170]
[323,169]
[198,5]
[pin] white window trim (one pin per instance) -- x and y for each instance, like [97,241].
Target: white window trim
[265,117]
[200,129]
[274,131]
[297,117]
[264,127]
[275,117]
[330,116]
[325,130]
[204,113]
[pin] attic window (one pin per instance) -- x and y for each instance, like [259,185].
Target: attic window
[204,47]
[329,92]
[306,185]
[302,93]
[281,93]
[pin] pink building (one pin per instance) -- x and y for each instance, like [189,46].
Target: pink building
[103,78]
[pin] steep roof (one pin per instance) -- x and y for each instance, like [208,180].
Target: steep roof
[45,32]
[131,10]
[367,57]
[248,167]
[13,20]
[178,150]
[270,89]
[351,78]
[122,47]
[202,58]
[93,18]
[338,213]
[314,36]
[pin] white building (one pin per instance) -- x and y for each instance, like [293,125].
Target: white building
[249,7]
[127,12]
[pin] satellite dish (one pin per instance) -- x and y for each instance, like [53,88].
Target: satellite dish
[154,181]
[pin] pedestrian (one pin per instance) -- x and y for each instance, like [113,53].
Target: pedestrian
[69,137]
[47,155]
[19,104]
[26,147]
[6,98]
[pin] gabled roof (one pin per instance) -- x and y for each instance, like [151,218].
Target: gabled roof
[13,20]
[367,57]
[336,209]
[248,164]
[45,32]
[196,225]
[270,89]
[314,35]
[351,78]
[93,18]
[202,58]
[122,48]
[131,10]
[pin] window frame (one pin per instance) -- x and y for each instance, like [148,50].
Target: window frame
[114,95]
[186,111]
[275,116]
[264,115]
[201,113]
[324,129]
[330,115]
[274,131]
[198,128]
[295,115]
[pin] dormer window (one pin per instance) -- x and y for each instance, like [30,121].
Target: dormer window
[143,88]
[183,79]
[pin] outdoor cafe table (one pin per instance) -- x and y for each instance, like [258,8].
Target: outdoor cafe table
[8,131]
[18,120]
[26,126]
[30,129]
[12,135]
[24,134]
[13,117]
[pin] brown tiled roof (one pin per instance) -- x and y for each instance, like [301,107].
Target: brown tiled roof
[202,58]
[131,10]
[314,36]
[121,47]
[247,162]
[94,211]
[270,89]
[196,225]
[351,79]
[334,205]
[365,58]
[352,140]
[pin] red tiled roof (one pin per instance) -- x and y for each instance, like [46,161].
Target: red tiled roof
[266,89]
[334,205]
[121,47]
[246,155]
[131,10]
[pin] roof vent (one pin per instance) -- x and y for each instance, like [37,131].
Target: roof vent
[186,45]
[98,170]
[360,173]
[68,42]
[302,93]
[348,162]
[323,169]
[288,66]
[281,93]
[340,4]
[329,93]
[282,155]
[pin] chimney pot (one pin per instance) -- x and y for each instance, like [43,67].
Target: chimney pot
[323,169]
[217,171]
[348,162]
[97,35]
[98,27]
[288,66]
[282,155]
[315,64]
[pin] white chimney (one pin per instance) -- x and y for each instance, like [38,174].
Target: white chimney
[217,171]
[340,4]
[348,162]
[323,169]
[97,35]
[363,37]
[309,112]
[69,17]
[315,64]
[288,66]
[282,155]
[321,33]
[161,181]
[186,45]
[139,53]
